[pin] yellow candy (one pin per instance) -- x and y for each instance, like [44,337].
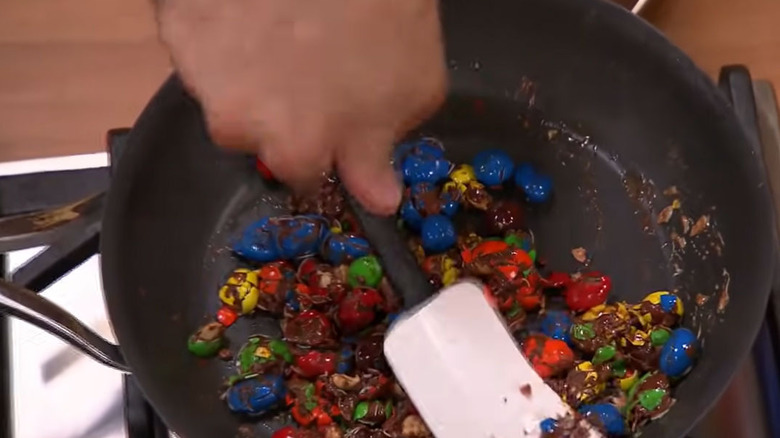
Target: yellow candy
[628,380]
[241,286]
[449,271]
[263,352]
[655,298]
[590,377]
[449,185]
[462,174]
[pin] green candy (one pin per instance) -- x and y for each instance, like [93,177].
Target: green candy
[583,332]
[388,409]
[604,354]
[619,368]
[532,254]
[311,400]
[280,349]
[651,398]
[659,337]
[365,271]
[361,410]
[207,341]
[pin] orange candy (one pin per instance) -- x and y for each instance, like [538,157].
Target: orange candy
[547,356]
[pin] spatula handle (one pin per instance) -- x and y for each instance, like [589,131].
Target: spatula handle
[398,262]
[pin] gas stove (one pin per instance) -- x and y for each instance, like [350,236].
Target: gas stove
[49,390]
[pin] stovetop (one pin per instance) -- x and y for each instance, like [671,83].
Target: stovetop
[49,390]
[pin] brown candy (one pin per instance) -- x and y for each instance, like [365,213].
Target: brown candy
[369,353]
[503,216]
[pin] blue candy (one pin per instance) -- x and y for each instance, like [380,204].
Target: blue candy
[446,202]
[536,186]
[257,242]
[669,302]
[346,358]
[556,324]
[548,425]
[256,396]
[338,248]
[437,233]
[425,168]
[283,237]
[678,353]
[493,167]
[299,236]
[412,218]
[291,300]
[425,147]
[608,415]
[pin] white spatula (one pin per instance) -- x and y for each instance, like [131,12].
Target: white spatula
[453,354]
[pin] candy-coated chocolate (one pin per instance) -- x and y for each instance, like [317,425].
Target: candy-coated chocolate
[536,186]
[437,234]
[628,380]
[226,316]
[442,269]
[365,271]
[285,432]
[503,216]
[310,328]
[358,309]
[606,416]
[428,147]
[262,354]
[207,340]
[462,174]
[338,248]
[604,354]
[372,413]
[678,353]
[315,363]
[424,166]
[668,301]
[241,291]
[477,196]
[659,336]
[548,425]
[257,395]
[547,356]
[493,167]
[411,217]
[556,324]
[282,237]
[587,290]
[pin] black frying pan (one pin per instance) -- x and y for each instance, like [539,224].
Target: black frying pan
[628,114]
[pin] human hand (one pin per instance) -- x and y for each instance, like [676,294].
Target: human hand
[312,85]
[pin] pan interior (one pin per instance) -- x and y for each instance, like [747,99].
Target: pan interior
[632,117]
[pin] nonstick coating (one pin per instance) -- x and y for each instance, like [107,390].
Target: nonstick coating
[177,200]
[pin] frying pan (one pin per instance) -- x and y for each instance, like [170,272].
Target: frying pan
[590,93]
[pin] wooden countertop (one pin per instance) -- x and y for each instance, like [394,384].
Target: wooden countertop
[70,71]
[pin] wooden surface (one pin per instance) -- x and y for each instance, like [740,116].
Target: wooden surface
[71,70]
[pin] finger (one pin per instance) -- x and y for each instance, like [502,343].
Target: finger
[300,159]
[364,167]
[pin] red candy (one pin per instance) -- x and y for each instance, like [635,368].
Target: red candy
[263,170]
[285,432]
[547,356]
[358,309]
[308,328]
[226,316]
[588,290]
[315,363]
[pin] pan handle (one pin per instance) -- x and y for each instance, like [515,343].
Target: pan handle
[27,305]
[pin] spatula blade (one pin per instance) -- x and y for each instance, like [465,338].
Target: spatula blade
[464,371]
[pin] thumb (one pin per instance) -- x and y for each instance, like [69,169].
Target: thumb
[364,167]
